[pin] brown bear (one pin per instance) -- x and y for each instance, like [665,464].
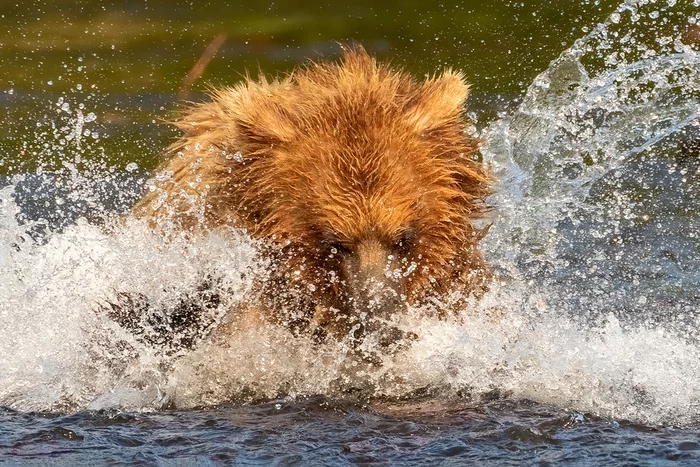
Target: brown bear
[361,183]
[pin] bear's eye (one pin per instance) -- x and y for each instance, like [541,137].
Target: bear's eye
[406,240]
[333,245]
[338,247]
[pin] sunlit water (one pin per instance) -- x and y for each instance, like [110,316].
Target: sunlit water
[594,358]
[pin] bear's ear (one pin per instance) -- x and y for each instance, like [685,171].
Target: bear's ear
[438,101]
[261,111]
[248,114]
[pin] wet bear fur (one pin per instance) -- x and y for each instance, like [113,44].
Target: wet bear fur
[361,184]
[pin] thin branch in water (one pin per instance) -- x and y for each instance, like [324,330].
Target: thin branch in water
[199,67]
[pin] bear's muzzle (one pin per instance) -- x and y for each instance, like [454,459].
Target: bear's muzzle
[372,294]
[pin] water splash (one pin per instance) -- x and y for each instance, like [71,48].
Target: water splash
[599,168]
[595,240]
[58,351]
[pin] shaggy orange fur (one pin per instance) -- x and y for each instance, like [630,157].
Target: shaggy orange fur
[361,181]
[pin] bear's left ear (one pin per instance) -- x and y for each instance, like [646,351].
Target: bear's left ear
[438,101]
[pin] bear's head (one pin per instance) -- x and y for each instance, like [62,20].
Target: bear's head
[362,182]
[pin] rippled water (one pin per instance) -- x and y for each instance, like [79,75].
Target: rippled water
[318,431]
[594,359]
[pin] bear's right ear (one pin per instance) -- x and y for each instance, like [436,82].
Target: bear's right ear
[438,101]
[260,110]
[250,113]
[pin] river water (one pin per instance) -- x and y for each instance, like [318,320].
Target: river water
[595,359]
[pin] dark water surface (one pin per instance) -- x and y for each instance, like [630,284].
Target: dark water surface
[318,431]
[126,61]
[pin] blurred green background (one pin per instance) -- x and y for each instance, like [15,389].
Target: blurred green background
[125,61]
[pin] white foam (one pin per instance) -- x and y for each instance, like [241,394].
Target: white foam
[50,292]
[56,352]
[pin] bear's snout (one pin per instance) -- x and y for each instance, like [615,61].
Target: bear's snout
[371,291]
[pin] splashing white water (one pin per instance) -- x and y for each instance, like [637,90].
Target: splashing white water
[548,330]
[52,333]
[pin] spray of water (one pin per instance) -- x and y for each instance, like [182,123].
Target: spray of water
[594,240]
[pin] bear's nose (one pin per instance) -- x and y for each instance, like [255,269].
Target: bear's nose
[380,296]
[372,290]
[372,295]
